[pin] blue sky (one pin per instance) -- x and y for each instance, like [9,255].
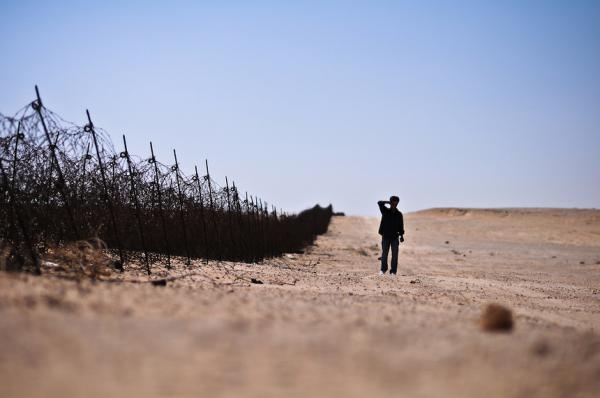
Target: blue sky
[449,103]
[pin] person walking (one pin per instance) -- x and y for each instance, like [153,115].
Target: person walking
[391,229]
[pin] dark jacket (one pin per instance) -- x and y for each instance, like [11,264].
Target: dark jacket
[392,222]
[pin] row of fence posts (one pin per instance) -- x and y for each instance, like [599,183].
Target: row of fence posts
[169,221]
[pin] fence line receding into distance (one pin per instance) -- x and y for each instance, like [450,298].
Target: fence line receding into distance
[62,182]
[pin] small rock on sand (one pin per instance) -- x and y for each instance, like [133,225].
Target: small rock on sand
[496,317]
[540,348]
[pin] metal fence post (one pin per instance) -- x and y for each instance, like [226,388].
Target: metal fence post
[90,129]
[202,220]
[37,105]
[213,211]
[152,160]
[185,239]
[125,155]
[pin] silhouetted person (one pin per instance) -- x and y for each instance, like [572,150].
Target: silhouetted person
[391,229]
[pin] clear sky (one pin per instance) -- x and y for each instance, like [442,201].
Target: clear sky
[449,103]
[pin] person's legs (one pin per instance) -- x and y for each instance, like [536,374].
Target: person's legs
[394,243]
[385,248]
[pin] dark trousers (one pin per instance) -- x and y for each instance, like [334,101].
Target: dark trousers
[385,246]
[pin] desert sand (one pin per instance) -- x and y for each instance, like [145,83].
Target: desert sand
[323,323]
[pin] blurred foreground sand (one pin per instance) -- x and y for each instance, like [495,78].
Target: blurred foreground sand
[323,323]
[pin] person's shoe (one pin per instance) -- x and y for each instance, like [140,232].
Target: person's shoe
[381,273]
[392,274]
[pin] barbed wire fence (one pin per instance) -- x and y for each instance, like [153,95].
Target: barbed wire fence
[62,183]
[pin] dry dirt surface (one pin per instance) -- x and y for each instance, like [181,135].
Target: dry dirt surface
[323,323]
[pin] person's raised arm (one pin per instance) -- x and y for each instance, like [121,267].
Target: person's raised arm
[381,205]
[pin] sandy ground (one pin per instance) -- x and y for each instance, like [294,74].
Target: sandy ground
[323,323]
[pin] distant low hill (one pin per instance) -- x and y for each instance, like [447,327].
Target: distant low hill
[507,211]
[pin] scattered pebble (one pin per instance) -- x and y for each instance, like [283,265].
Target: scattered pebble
[582,262]
[447,242]
[496,317]
[415,281]
[540,348]
[256,281]
[159,282]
